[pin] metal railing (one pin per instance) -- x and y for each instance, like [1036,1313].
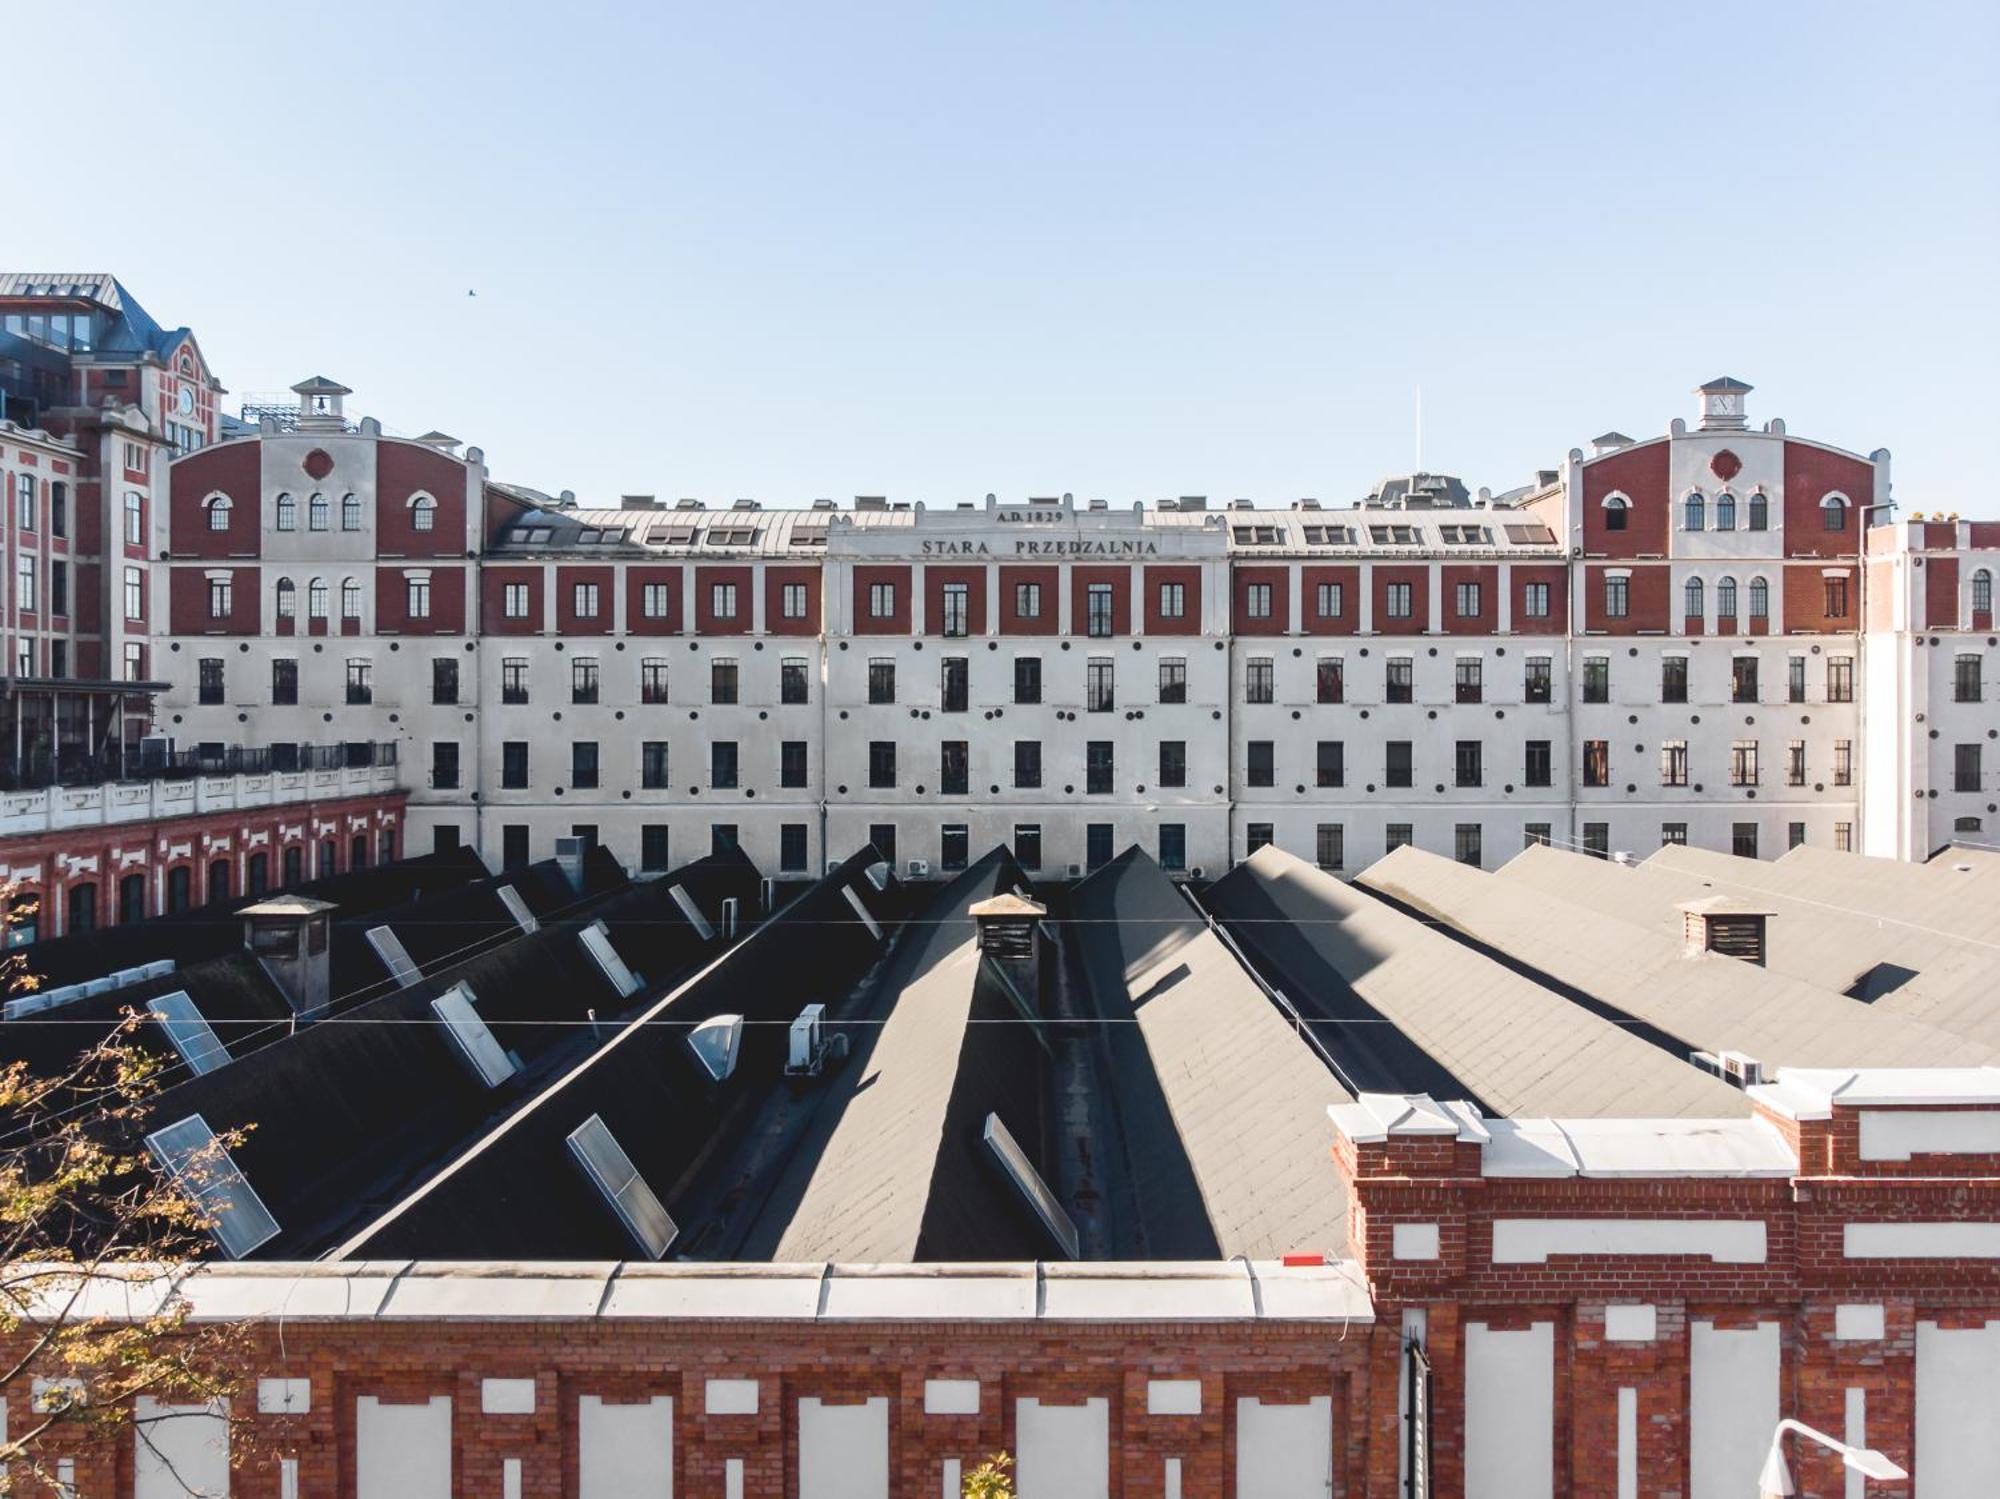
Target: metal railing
[37,771]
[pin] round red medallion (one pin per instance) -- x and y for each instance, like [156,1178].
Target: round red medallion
[319,463]
[1725,465]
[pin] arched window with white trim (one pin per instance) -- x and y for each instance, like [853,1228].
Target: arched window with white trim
[1725,511]
[1693,605]
[1833,512]
[217,506]
[1617,512]
[350,512]
[1693,511]
[1760,599]
[1982,592]
[316,513]
[288,598]
[423,512]
[1725,599]
[288,513]
[350,599]
[1760,510]
[316,598]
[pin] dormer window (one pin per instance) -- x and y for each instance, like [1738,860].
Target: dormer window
[217,506]
[1833,512]
[1617,513]
[423,513]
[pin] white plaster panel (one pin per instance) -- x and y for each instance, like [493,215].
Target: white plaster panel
[1415,1241]
[1922,1241]
[180,1450]
[1898,1134]
[1285,1451]
[284,1397]
[1958,1389]
[1631,1324]
[1855,1434]
[1732,1407]
[625,1450]
[1509,1412]
[402,1451]
[844,1450]
[1858,1322]
[951,1397]
[1065,1450]
[1173,1397]
[1518,1241]
[507,1397]
[730,1397]
[1628,1443]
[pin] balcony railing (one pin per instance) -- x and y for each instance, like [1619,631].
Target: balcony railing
[37,771]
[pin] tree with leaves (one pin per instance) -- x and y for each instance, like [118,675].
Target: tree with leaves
[990,1479]
[96,1246]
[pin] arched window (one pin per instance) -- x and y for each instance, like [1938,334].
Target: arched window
[1833,512]
[1725,511]
[316,598]
[423,512]
[350,512]
[350,599]
[1692,608]
[316,513]
[217,506]
[1760,599]
[1982,591]
[1691,512]
[1725,599]
[288,513]
[1760,511]
[288,598]
[1617,512]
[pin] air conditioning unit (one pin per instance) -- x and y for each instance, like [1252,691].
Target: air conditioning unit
[1076,871]
[731,908]
[920,869]
[1733,1067]
[807,1052]
[1197,873]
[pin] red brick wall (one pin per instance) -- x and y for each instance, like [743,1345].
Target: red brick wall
[1639,473]
[1279,619]
[898,620]
[1940,577]
[232,469]
[401,470]
[1810,474]
[1648,599]
[1805,601]
[636,579]
[392,602]
[1348,621]
[775,579]
[706,620]
[1556,576]
[1485,620]
[1419,579]
[604,621]
[1048,622]
[935,579]
[493,583]
[1189,577]
[187,602]
[1080,580]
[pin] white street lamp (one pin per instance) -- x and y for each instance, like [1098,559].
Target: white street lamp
[1775,1482]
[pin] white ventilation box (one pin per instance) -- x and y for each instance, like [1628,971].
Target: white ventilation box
[808,1042]
[767,895]
[919,869]
[731,909]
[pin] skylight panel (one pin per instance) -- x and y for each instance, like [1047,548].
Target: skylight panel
[1466,535]
[395,957]
[1329,536]
[685,903]
[536,536]
[192,1036]
[517,908]
[715,1043]
[473,1038]
[1028,1182]
[589,536]
[600,1157]
[1532,533]
[1398,536]
[596,941]
[201,1168]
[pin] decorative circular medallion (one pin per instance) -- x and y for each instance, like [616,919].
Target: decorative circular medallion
[1725,465]
[318,463]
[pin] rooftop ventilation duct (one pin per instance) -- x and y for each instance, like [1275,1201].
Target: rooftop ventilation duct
[639,502]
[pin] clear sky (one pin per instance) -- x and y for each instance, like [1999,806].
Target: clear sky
[935,250]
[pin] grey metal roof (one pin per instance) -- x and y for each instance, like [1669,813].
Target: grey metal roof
[1511,1044]
[1710,1002]
[1239,1135]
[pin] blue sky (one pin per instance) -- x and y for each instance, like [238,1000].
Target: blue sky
[1118,250]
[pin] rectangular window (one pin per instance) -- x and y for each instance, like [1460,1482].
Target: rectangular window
[1173,679]
[955,684]
[653,680]
[1535,835]
[1673,835]
[792,764]
[1398,601]
[1027,679]
[723,684]
[1173,846]
[1027,764]
[1097,767]
[513,845]
[957,610]
[1467,599]
[1674,762]
[585,597]
[1536,765]
[1257,601]
[419,597]
[135,661]
[1534,601]
[1027,605]
[881,680]
[1840,679]
[583,680]
[135,519]
[954,846]
[1843,762]
[655,600]
[1398,763]
[1795,679]
[1173,600]
[723,838]
[1331,597]
[654,846]
[1468,756]
[791,848]
[1098,694]
[1330,680]
[59,587]
[1262,766]
[1843,837]
[1597,762]
[1743,679]
[653,765]
[1836,597]
[219,595]
[360,681]
[211,691]
[792,601]
[1966,686]
[514,765]
[1597,679]
[135,594]
[1330,762]
[881,600]
[1398,835]
[284,682]
[722,765]
[1743,840]
[1965,774]
[1673,679]
[1173,762]
[1466,843]
[1028,845]
[722,600]
[1597,839]
[792,681]
[514,601]
[1330,845]
[1795,763]
[444,765]
[954,767]
[1469,679]
[1743,762]
[1617,596]
[25,487]
[1259,680]
[1399,683]
[1097,606]
[882,764]
[1536,681]
[24,588]
[1259,835]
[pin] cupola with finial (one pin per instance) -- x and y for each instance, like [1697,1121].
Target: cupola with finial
[1722,405]
[320,404]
